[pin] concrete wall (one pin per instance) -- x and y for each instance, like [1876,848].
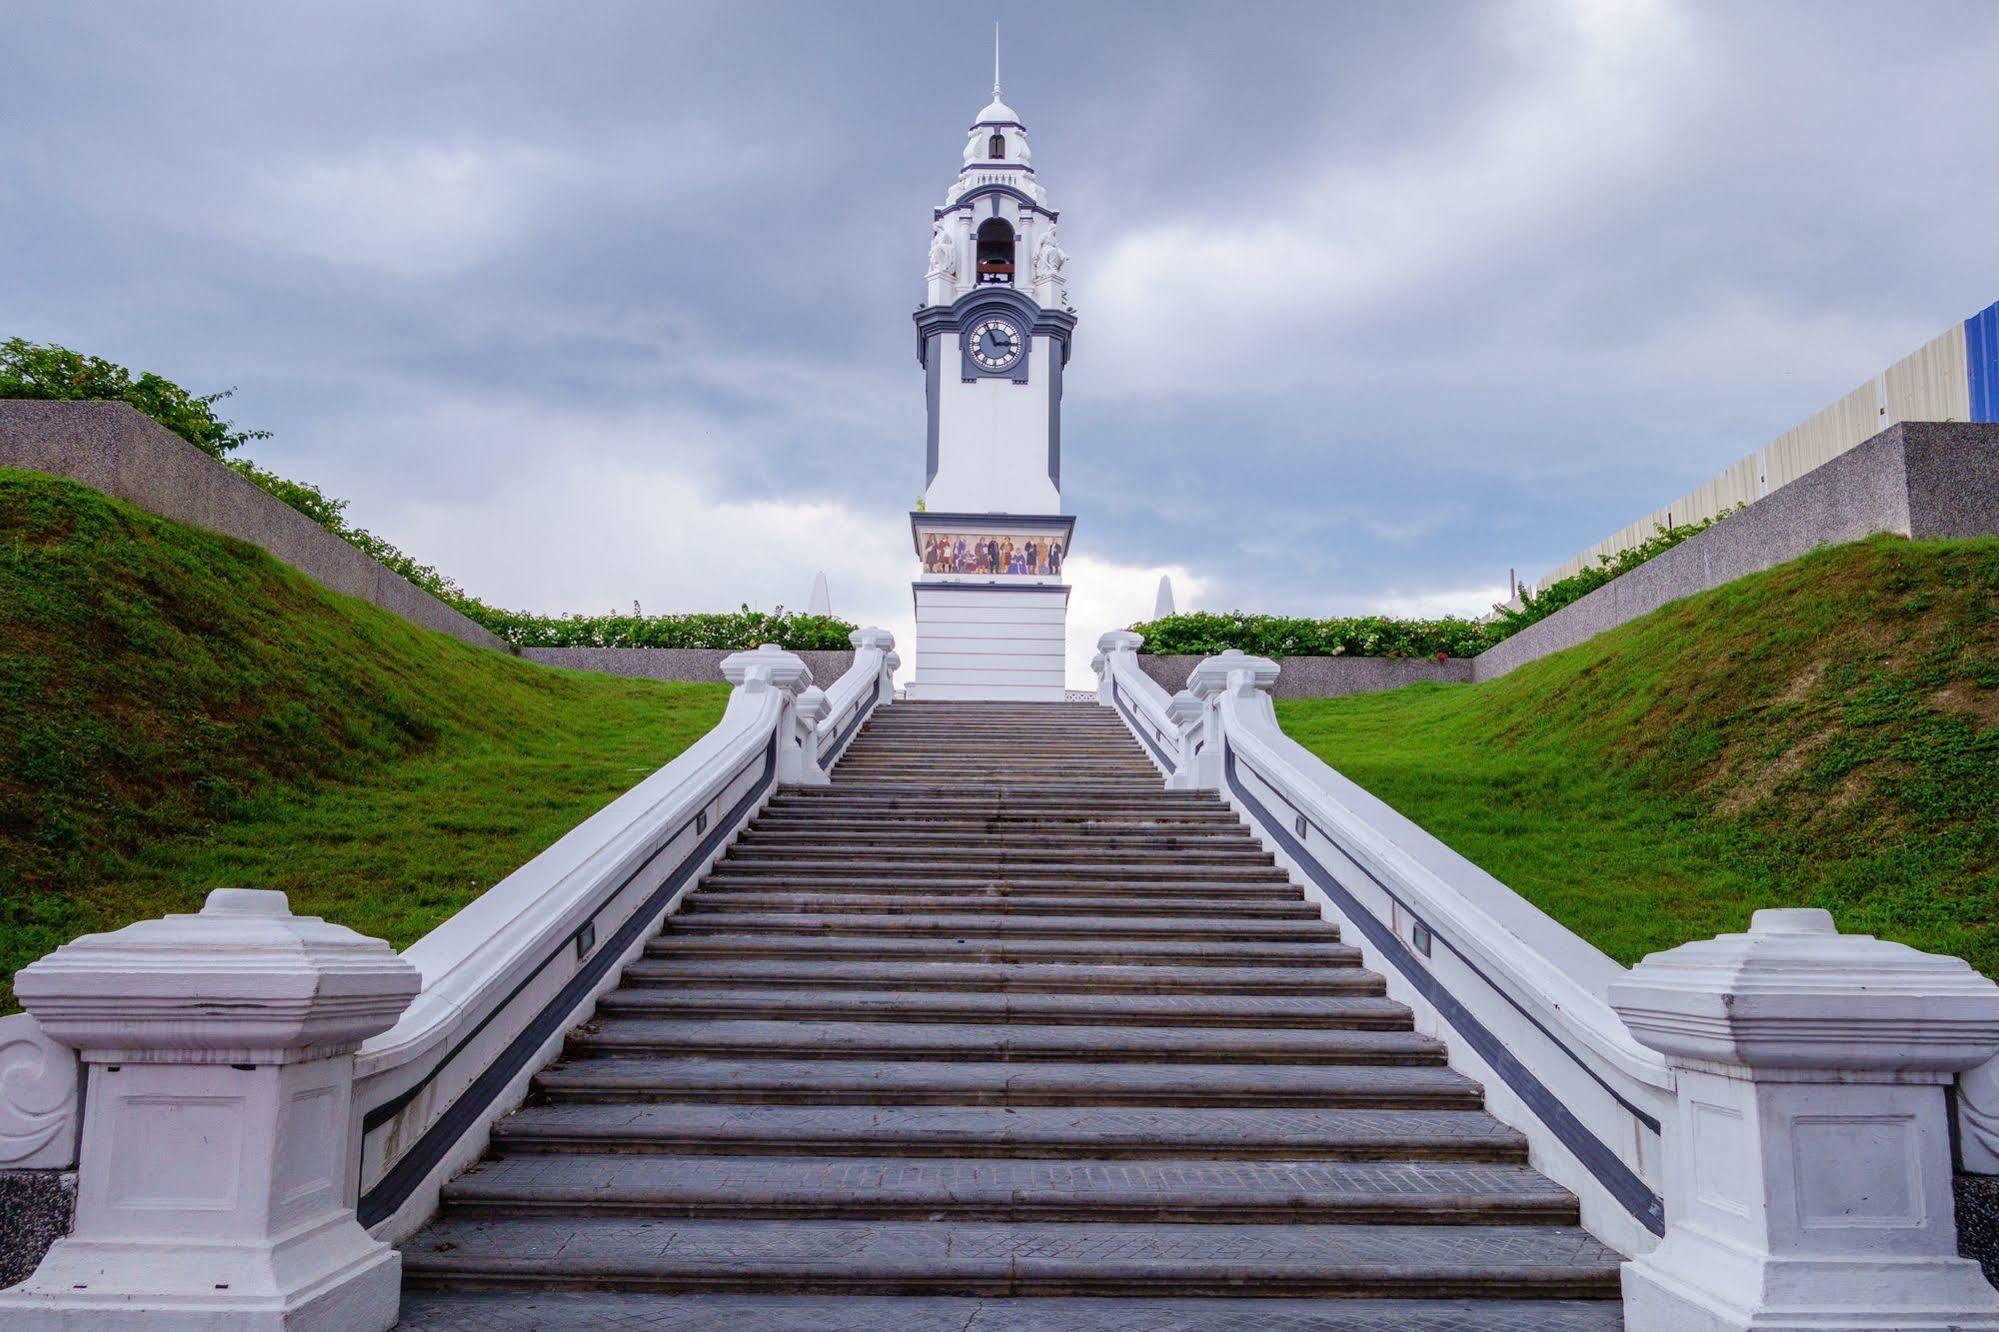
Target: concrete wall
[1918,479]
[703,665]
[108,446]
[1324,677]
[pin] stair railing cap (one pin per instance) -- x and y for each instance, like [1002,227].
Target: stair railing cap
[241,981]
[1119,640]
[1794,993]
[1185,707]
[1211,676]
[872,637]
[769,664]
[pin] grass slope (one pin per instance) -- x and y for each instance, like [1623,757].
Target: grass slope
[179,711]
[1825,733]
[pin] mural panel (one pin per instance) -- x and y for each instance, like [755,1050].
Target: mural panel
[1027,555]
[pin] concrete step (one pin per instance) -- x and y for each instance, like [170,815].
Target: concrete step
[1129,952]
[1262,1011]
[1225,898]
[947,878]
[995,1258]
[1234,1192]
[914,836]
[1068,1132]
[1014,1082]
[535,1311]
[984,924]
[1000,977]
[1279,904]
[950,857]
[971,860]
[1046,1042]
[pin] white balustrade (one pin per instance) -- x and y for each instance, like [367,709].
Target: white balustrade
[1810,1181]
[233,1129]
[1771,1103]
[214,1183]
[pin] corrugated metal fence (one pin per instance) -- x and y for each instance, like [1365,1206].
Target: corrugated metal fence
[1953,377]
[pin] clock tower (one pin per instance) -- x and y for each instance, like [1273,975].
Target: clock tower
[993,336]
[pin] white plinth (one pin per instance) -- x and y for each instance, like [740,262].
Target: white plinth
[994,642]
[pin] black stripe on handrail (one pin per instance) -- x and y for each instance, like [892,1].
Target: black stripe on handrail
[1139,730]
[396,1185]
[862,711]
[1617,1178]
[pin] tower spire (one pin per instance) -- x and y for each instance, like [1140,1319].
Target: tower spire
[996,82]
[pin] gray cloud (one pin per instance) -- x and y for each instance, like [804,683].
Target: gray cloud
[1377,300]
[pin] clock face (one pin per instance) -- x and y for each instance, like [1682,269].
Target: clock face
[996,344]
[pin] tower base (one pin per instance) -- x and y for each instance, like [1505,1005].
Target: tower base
[990,641]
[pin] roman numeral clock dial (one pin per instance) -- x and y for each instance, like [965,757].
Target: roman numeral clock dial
[996,344]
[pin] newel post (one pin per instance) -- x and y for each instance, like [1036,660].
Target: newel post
[216,1178]
[882,641]
[772,668]
[1239,676]
[1117,650]
[1808,1174]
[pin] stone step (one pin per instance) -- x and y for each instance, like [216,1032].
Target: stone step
[970,858]
[1192,827]
[996,1258]
[1219,897]
[1189,1010]
[850,801]
[535,1311]
[946,874]
[1130,952]
[886,1188]
[1222,894]
[1279,904]
[880,1082]
[1024,797]
[1001,977]
[914,836]
[1068,1132]
[985,924]
[984,855]
[1046,1043]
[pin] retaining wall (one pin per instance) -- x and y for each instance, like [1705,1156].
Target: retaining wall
[703,665]
[1323,677]
[113,448]
[1917,479]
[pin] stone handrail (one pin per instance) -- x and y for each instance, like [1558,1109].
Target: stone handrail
[1522,1000]
[506,977]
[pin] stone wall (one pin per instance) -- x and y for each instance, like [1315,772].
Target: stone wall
[699,664]
[1324,677]
[36,1209]
[1918,479]
[110,447]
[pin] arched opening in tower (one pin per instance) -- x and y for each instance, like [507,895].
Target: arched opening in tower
[996,146]
[996,251]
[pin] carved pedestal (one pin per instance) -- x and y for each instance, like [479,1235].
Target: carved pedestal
[1809,1174]
[216,1176]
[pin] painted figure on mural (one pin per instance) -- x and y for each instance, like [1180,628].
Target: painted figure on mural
[1054,557]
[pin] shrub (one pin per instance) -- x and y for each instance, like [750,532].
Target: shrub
[1563,591]
[32,370]
[736,630]
[1204,633]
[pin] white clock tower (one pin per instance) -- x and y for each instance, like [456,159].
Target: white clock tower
[993,339]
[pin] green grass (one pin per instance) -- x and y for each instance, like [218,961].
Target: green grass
[179,711]
[1825,733]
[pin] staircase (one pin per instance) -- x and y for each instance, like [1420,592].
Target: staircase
[995,1033]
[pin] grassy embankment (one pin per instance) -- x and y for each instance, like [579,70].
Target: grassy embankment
[1825,733]
[179,711]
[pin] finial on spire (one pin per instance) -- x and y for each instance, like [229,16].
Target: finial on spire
[996,83]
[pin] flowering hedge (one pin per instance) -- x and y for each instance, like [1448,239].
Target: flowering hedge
[1204,633]
[732,630]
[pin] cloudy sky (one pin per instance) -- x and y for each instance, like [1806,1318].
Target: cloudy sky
[596,303]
